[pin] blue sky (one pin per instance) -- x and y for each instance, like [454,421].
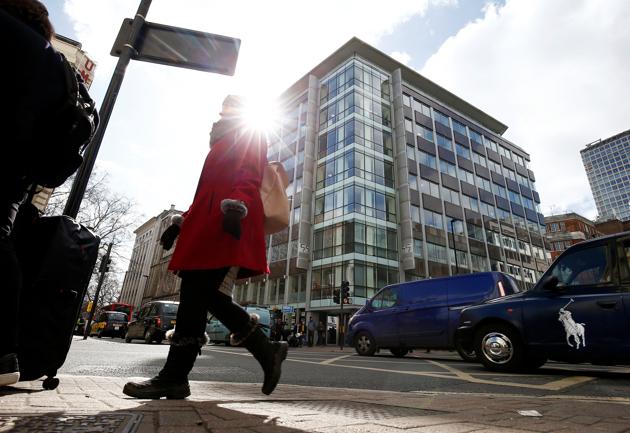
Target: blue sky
[554,72]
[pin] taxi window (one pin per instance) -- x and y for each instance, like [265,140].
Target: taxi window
[624,253]
[386,299]
[584,267]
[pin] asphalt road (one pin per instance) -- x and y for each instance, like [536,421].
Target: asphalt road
[441,372]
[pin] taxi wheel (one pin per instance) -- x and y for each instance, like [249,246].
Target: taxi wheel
[364,344]
[99,334]
[127,339]
[499,348]
[148,337]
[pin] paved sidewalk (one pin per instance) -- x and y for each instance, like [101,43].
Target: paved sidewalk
[96,404]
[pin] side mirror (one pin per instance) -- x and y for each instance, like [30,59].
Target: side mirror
[550,283]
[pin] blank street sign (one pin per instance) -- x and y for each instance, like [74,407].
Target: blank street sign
[184,48]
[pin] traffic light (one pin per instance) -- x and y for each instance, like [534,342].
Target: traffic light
[336,296]
[105,262]
[345,292]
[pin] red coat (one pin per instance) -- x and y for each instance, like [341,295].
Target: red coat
[233,170]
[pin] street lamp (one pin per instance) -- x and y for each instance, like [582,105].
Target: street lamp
[454,245]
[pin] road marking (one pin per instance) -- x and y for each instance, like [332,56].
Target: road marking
[451,373]
[618,400]
[331,360]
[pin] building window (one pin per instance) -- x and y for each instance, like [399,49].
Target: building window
[425,132]
[436,253]
[444,142]
[433,219]
[475,136]
[462,151]
[406,100]
[479,159]
[422,108]
[475,232]
[450,196]
[459,127]
[448,168]
[296,214]
[417,248]
[466,176]
[430,188]
[413,181]
[415,214]
[427,159]
[441,118]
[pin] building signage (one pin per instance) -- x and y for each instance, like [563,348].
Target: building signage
[288,309]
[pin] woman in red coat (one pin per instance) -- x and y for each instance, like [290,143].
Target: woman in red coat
[221,238]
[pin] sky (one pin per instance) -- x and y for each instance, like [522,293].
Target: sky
[555,72]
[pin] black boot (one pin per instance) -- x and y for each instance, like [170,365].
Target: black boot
[270,356]
[172,381]
[158,387]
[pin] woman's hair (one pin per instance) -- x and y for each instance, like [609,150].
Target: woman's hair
[32,13]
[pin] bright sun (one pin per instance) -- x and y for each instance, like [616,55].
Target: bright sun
[261,114]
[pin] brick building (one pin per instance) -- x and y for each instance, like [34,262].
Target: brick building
[568,229]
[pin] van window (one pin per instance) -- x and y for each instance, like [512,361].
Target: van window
[584,267]
[387,298]
[116,316]
[510,286]
[419,292]
[624,254]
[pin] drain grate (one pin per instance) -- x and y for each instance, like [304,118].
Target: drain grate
[71,423]
[348,409]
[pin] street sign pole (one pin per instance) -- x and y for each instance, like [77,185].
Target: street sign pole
[81,180]
[342,322]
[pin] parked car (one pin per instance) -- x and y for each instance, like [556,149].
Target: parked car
[423,314]
[152,321]
[109,324]
[579,311]
[218,333]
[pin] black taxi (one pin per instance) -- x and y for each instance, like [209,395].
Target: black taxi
[579,311]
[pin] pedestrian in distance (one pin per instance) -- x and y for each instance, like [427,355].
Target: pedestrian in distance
[321,334]
[220,238]
[33,88]
[311,328]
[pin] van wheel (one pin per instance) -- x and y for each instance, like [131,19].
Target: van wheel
[364,344]
[499,348]
[148,338]
[468,354]
[399,352]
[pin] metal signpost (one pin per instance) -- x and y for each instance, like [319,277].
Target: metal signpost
[156,43]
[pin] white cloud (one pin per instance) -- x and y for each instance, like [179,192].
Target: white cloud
[556,73]
[158,133]
[401,56]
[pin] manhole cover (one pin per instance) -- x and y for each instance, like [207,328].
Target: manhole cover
[69,423]
[348,409]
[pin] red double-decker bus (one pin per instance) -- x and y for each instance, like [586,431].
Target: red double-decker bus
[121,307]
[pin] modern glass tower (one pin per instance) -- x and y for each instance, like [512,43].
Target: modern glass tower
[393,179]
[607,165]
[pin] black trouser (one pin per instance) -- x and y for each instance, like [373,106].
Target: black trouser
[199,294]
[12,194]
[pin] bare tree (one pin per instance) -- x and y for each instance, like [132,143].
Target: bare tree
[111,216]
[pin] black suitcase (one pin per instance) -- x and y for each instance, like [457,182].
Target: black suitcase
[57,257]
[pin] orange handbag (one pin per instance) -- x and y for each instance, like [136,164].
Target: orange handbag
[274,198]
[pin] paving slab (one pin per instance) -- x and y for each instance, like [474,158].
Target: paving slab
[88,404]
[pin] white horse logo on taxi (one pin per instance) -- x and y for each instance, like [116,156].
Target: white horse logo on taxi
[573,329]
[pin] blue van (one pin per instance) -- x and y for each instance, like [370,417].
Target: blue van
[423,314]
[218,333]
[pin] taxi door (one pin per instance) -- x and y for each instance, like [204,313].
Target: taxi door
[583,317]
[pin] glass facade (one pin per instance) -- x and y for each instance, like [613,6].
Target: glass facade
[354,232]
[607,165]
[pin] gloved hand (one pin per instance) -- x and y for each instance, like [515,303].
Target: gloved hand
[232,223]
[168,237]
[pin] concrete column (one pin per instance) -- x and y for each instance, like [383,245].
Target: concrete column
[402,179]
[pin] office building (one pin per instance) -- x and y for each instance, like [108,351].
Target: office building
[568,229]
[393,178]
[607,165]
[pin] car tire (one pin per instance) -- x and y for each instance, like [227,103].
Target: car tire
[127,338]
[148,337]
[364,344]
[399,352]
[499,348]
[468,354]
